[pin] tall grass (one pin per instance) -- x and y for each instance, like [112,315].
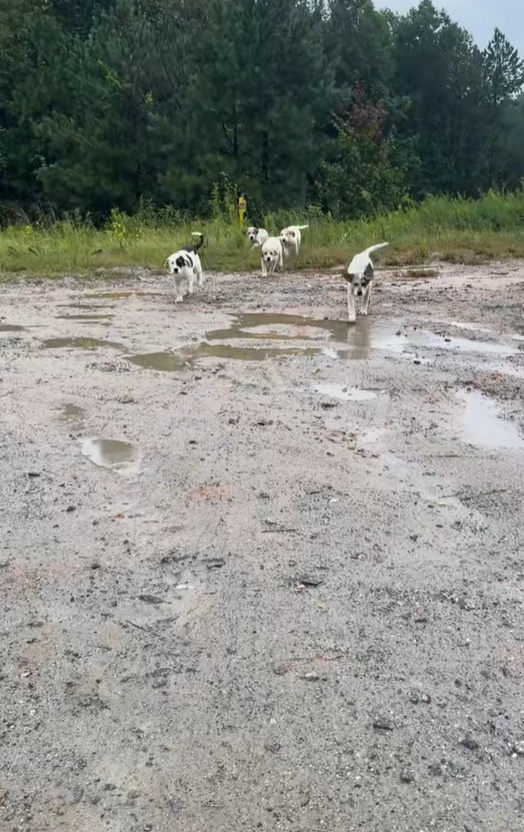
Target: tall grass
[458,230]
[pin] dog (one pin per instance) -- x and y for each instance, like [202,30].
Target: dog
[291,238]
[272,255]
[359,275]
[185,265]
[257,236]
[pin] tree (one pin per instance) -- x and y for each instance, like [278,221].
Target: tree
[261,88]
[503,70]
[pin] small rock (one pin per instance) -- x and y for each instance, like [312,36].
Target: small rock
[308,579]
[407,776]
[311,677]
[470,744]
[150,599]
[518,748]
[274,747]
[421,619]
[414,697]
[76,794]
[69,509]
[33,474]
[215,563]
[133,795]
[382,723]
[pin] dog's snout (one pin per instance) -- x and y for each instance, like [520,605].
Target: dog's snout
[175,270]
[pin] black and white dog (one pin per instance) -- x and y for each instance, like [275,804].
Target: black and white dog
[359,275]
[185,265]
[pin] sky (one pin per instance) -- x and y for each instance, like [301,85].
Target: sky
[479,17]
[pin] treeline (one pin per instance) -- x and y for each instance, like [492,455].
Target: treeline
[328,105]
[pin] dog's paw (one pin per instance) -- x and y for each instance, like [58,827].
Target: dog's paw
[179,299]
[352,320]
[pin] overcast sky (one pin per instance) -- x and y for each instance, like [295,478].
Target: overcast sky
[477,16]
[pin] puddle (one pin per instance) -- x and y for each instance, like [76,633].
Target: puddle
[345,394]
[166,362]
[79,343]
[272,334]
[121,295]
[171,362]
[482,424]
[11,328]
[112,454]
[72,413]
[101,317]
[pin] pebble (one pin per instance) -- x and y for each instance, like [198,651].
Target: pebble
[311,677]
[308,579]
[407,776]
[382,723]
[150,599]
[469,743]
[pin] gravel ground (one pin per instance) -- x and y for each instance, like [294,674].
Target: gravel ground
[260,570]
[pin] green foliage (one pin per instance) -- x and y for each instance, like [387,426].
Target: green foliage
[119,104]
[457,230]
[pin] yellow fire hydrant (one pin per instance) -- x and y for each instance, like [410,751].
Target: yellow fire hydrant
[242,208]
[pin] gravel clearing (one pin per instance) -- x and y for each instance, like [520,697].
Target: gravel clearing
[260,570]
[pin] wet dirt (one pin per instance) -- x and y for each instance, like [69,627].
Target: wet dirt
[292,598]
[72,413]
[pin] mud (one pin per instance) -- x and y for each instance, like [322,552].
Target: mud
[260,570]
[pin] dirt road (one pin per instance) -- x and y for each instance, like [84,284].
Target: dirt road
[259,570]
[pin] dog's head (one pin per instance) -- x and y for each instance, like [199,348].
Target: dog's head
[177,262]
[288,235]
[270,254]
[252,233]
[359,282]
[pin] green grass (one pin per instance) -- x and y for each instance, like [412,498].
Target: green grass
[455,230]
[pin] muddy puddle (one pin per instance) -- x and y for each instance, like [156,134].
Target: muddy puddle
[279,335]
[345,394]
[121,295]
[86,318]
[112,454]
[79,343]
[482,424]
[11,328]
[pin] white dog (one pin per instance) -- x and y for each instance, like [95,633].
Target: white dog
[185,265]
[291,238]
[272,255]
[257,236]
[359,275]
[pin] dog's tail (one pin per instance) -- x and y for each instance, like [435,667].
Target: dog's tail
[302,227]
[199,244]
[378,247]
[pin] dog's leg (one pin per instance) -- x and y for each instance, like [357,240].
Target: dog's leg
[200,278]
[178,287]
[365,300]
[352,313]
[191,284]
[264,270]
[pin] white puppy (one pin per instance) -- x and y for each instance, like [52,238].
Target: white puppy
[359,275]
[185,265]
[291,238]
[272,255]
[257,236]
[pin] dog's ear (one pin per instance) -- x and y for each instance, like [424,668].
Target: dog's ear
[345,274]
